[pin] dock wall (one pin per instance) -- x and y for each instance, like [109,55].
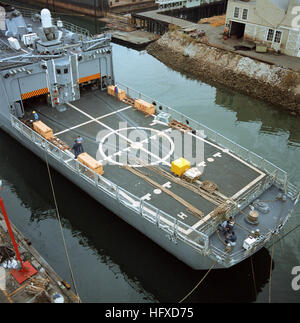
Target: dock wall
[94,7]
[276,85]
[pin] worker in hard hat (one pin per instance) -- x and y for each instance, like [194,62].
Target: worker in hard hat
[35,115]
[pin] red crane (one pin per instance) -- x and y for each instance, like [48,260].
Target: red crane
[27,270]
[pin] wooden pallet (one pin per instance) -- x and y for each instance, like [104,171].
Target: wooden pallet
[128,101]
[59,143]
[179,126]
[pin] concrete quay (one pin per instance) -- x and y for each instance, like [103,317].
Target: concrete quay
[43,286]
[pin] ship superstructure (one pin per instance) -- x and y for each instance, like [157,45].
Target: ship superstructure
[141,158]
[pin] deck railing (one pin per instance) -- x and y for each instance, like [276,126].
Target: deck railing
[29,13]
[218,139]
[230,259]
[174,228]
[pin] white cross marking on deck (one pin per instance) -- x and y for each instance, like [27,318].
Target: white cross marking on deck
[218,154]
[202,164]
[90,121]
[182,215]
[225,150]
[114,131]
[167,185]
[146,197]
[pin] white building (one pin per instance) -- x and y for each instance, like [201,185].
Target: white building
[274,23]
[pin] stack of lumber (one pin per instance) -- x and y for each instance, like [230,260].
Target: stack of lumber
[37,285]
[119,22]
[214,21]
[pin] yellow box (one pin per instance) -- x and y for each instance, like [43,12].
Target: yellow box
[179,166]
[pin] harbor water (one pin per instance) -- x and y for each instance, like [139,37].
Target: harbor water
[111,261]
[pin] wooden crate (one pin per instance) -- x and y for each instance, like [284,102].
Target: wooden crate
[43,129]
[121,93]
[91,163]
[192,174]
[111,90]
[144,106]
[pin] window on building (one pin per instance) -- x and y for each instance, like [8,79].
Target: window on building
[274,36]
[245,14]
[277,37]
[270,35]
[236,12]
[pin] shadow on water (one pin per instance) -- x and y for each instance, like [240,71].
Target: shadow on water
[115,243]
[273,120]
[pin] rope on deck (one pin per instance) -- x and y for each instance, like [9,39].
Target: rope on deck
[146,178]
[198,190]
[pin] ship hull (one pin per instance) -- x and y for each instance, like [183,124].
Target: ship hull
[177,248]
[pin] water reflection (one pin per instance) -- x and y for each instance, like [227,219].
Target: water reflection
[273,120]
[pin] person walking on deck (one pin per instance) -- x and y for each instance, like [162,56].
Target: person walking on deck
[77,149]
[79,140]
